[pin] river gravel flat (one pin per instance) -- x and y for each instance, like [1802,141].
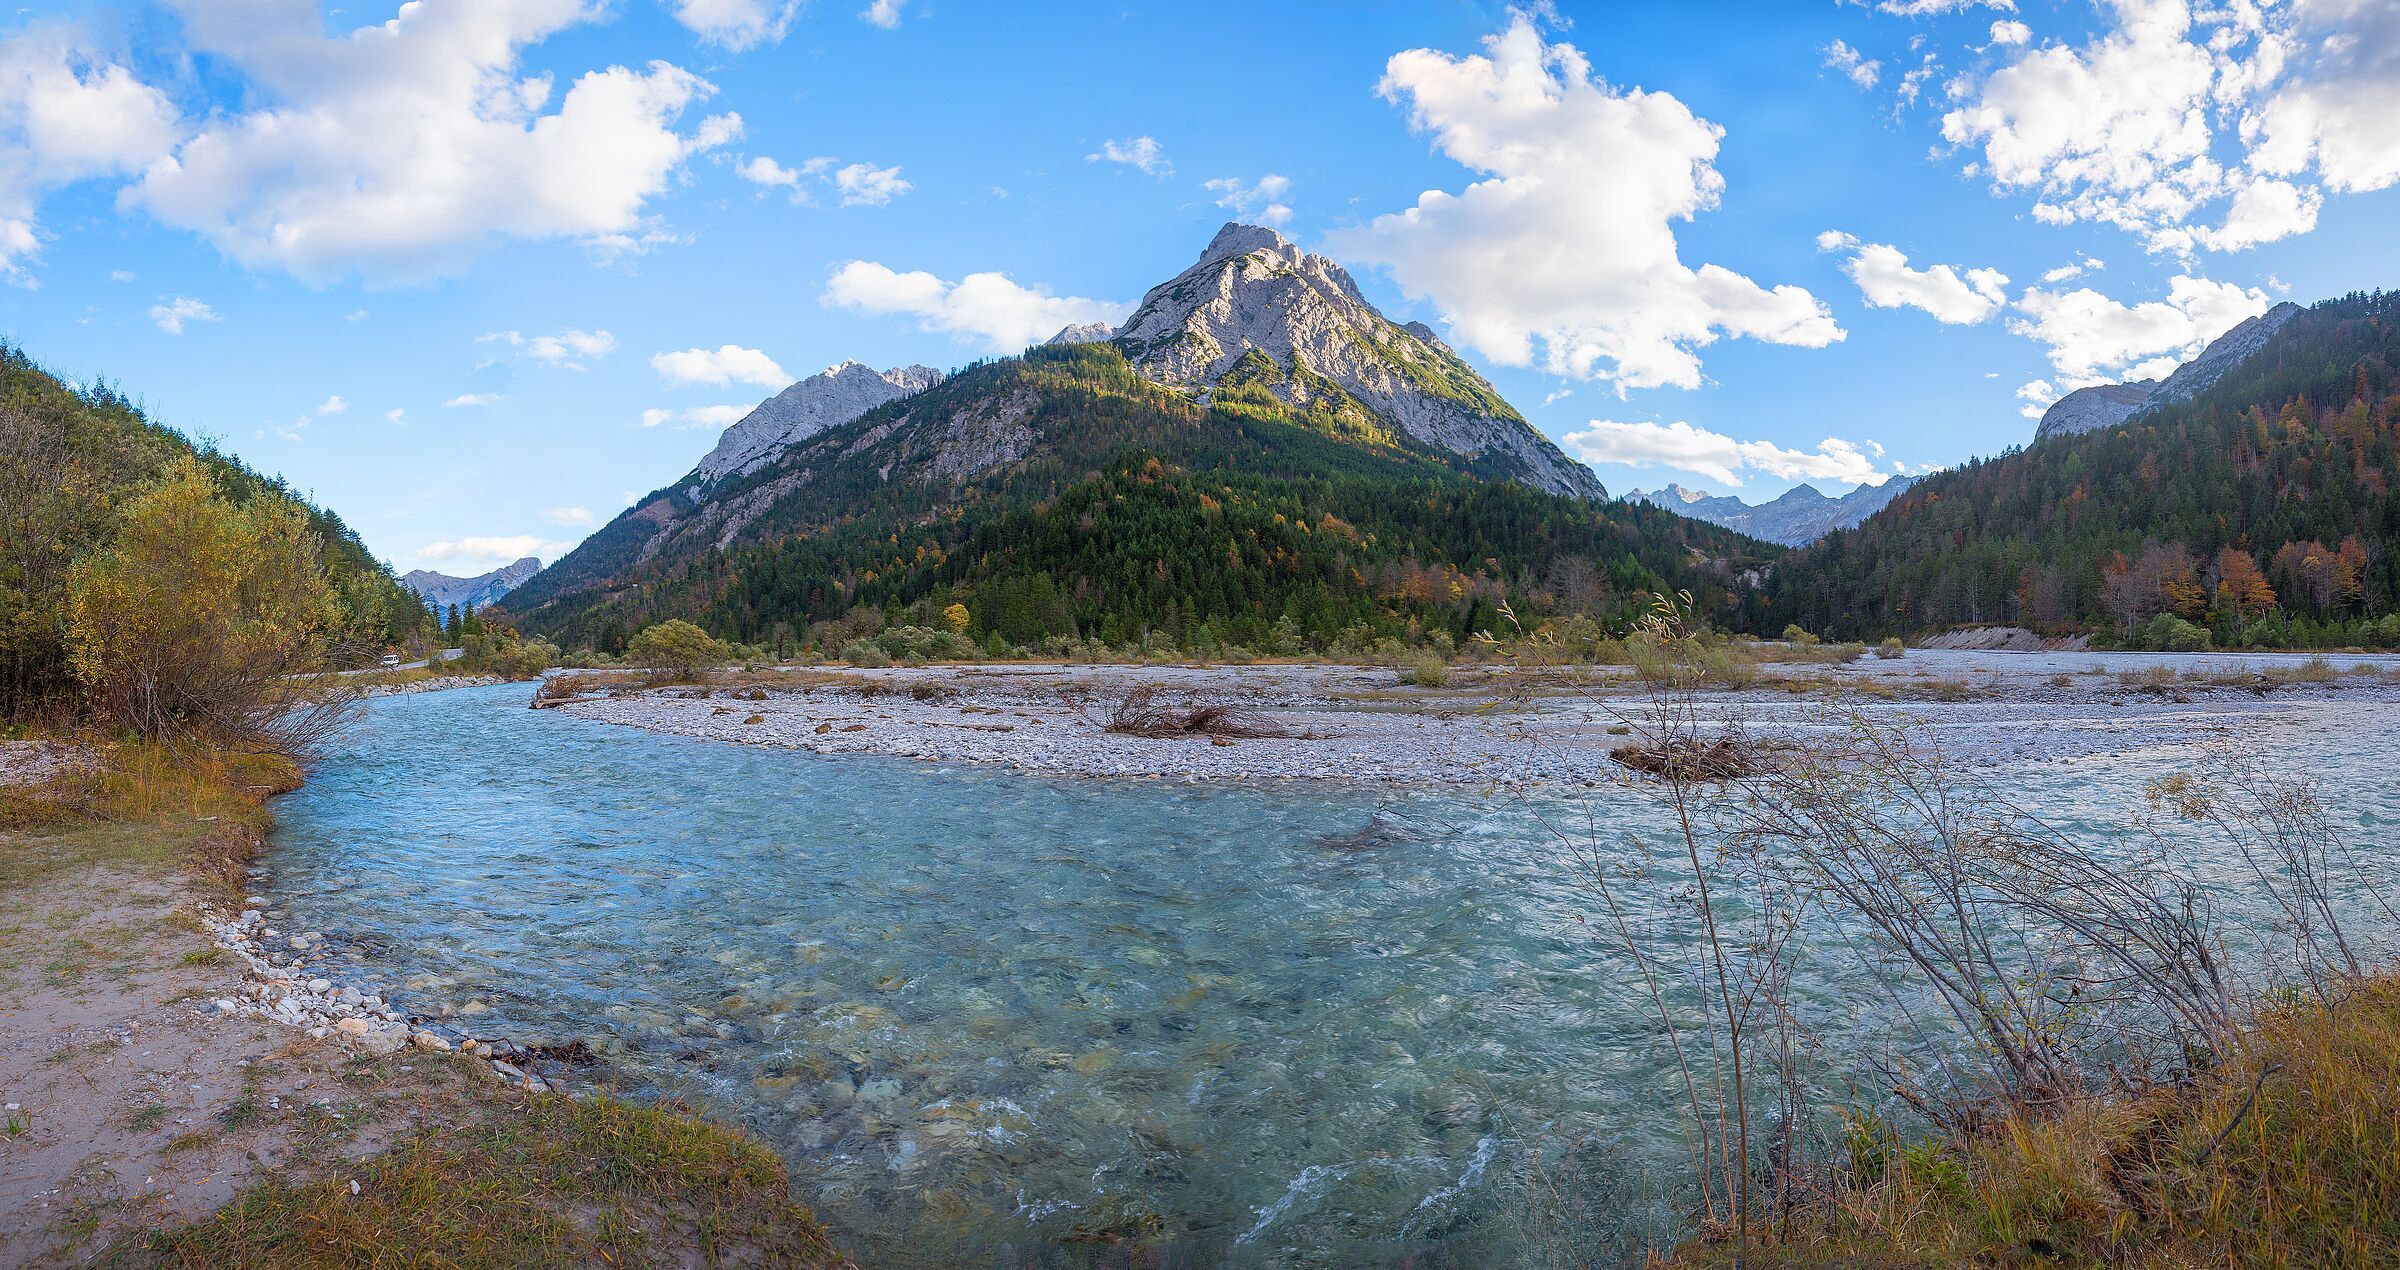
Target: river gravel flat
[1496,726]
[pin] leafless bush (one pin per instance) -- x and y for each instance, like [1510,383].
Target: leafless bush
[1722,758]
[1137,713]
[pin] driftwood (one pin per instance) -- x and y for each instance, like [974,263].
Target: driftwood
[1722,759]
[1137,713]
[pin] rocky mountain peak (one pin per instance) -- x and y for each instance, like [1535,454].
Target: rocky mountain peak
[827,399]
[1083,333]
[441,590]
[2107,405]
[1258,312]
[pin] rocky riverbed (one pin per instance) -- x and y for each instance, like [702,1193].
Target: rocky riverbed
[1492,726]
[281,986]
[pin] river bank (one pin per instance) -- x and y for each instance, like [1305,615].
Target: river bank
[184,1087]
[1491,726]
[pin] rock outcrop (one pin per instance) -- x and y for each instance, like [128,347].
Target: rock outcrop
[1800,515]
[1256,312]
[484,589]
[827,399]
[2107,405]
[1083,333]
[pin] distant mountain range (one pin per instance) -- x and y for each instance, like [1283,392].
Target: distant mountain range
[1800,515]
[1255,443]
[440,590]
[2107,405]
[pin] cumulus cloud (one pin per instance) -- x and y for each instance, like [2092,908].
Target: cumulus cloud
[1721,458]
[571,517]
[2215,127]
[172,314]
[765,171]
[466,399]
[1929,8]
[882,13]
[482,555]
[2092,339]
[1884,278]
[1849,61]
[982,308]
[1141,152]
[332,405]
[1260,201]
[735,25]
[67,113]
[567,350]
[2079,268]
[857,184]
[720,366]
[394,151]
[2010,32]
[1564,254]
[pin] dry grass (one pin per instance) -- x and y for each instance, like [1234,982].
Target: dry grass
[562,1182]
[2286,1155]
[1725,758]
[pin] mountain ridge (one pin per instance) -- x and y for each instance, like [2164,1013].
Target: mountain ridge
[442,590]
[2108,405]
[1794,518]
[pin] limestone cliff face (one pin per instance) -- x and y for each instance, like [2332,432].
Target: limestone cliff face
[442,590]
[1257,311]
[2107,405]
[827,399]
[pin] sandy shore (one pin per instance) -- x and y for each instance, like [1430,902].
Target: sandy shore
[1492,726]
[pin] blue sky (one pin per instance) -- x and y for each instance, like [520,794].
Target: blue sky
[476,274]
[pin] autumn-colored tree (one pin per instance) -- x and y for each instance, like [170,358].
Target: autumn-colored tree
[677,650]
[2238,579]
[956,618]
[201,619]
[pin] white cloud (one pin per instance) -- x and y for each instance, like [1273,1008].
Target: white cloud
[2010,32]
[695,416]
[1929,8]
[2038,395]
[858,184]
[1849,61]
[864,185]
[983,308]
[355,315]
[736,25]
[172,314]
[482,555]
[1884,278]
[120,275]
[1721,458]
[472,399]
[1141,152]
[2193,126]
[395,150]
[571,517]
[882,13]
[1565,254]
[567,350]
[765,171]
[397,416]
[1261,202]
[2092,339]
[2076,270]
[726,364]
[67,113]
[333,405]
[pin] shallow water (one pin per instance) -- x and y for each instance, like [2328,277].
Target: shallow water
[994,1019]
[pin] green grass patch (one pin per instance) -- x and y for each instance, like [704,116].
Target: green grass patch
[558,1182]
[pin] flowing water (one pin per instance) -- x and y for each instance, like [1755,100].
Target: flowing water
[994,1019]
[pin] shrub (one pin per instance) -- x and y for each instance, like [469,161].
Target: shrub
[2172,634]
[1891,649]
[677,650]
[865,652]
[1430,672]
[200,619]
[1798,634]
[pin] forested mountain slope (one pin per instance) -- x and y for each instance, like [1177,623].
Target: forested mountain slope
[1065,493]
[2262,510]
[71,461]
